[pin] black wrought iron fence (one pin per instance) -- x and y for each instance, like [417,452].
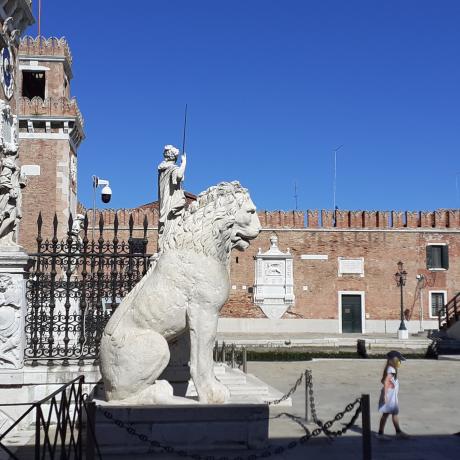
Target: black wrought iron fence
[75,285]
[58,423]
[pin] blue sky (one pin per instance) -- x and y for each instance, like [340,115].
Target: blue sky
[272,88]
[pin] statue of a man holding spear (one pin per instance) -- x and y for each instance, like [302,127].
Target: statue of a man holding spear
[170,194]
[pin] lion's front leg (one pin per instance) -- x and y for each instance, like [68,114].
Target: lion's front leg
[203,329]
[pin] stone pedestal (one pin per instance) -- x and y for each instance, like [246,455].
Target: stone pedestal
[13,309]
[403,334]
[191,428]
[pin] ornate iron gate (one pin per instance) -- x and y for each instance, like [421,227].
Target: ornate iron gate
[74,287]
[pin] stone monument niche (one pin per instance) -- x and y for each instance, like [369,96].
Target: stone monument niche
[274,286]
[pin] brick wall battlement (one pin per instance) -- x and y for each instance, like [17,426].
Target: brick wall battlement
[42,46]
[51,106]
[441,218]
[108,215]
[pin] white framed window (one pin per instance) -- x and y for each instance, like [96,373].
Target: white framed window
[437,300]
[437,256]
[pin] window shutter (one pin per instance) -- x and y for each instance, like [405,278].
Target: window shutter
[429,257]
[445,257]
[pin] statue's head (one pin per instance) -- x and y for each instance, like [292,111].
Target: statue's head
[5,282]
[170,152]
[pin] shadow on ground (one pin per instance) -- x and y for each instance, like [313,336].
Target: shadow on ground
[346,448]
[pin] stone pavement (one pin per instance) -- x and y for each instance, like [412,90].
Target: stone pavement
[429,400]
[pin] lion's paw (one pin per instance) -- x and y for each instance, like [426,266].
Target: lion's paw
[214,392]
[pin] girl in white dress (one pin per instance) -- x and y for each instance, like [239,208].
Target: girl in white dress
[388,402]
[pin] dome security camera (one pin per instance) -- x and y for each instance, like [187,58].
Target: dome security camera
[106,194]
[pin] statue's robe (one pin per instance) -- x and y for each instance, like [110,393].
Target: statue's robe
[171,198]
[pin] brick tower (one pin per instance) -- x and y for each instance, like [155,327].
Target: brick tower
[50,132]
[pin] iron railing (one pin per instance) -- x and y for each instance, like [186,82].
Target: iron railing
[450,313]
[74,287]
[232,355]
[59,423]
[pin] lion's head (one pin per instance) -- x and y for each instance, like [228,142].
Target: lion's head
[223,217]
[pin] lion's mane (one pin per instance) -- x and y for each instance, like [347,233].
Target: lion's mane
[206,226]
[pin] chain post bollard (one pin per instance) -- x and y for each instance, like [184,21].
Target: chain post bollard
[90,430]
[366,427]
[222,355]
[245,360]
[307,387]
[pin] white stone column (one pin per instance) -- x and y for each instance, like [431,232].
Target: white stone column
[13,309]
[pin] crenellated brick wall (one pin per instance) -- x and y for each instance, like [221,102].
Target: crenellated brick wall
[441,218]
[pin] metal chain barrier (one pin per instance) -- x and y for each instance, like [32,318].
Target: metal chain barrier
[289,393]
[325,426]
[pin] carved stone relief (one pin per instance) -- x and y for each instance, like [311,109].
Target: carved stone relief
[11,323]
[274,290]
[12,181]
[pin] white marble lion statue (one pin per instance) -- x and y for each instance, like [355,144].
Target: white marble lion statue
[185,290]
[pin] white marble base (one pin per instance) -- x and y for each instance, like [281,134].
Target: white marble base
[403,334]
[31,384]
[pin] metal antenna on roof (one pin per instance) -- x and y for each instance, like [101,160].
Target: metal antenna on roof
[335,175]
[457,187]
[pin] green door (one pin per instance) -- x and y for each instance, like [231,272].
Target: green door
[351,313]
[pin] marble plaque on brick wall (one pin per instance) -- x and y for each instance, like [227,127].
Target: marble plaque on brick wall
[351,266]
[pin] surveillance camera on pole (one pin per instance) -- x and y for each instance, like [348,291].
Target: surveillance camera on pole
[106,192]
[106,195]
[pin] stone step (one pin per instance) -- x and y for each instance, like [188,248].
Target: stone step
[449,357]
[241,385]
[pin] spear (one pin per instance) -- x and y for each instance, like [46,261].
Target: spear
[185,129]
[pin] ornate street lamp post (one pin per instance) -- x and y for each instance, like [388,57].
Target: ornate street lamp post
[400,277]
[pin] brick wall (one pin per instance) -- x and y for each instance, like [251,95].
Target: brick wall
[317,283]
[49,192]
